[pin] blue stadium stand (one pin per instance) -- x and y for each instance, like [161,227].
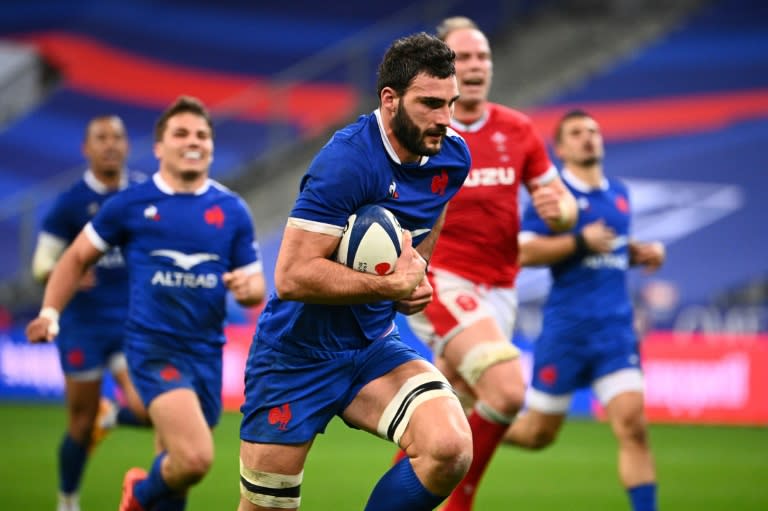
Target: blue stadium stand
[134,58]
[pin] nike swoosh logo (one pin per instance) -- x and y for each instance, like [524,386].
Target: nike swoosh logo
[418,232]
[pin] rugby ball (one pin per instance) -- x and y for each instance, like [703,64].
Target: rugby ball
[372,241]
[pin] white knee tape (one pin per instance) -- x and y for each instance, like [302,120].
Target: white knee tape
[416,390]
[483,356]
[266,489]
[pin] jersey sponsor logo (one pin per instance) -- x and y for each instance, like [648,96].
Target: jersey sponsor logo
[280,416]
[603,261]
[151,213]
[185,261]
[214,216]
[185,279]
[491,176]
[181,279]
[440,183]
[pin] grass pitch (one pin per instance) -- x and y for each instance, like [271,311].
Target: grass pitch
[700,468]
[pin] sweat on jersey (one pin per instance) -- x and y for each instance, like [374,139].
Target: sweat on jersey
[358,166]
[176,247]
[479,238]
[589,290]
[71,211]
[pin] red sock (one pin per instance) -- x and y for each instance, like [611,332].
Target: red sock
[400,454]
[486,436]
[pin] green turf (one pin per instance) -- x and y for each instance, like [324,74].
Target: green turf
[700,468]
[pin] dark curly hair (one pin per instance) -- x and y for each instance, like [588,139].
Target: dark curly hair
[411,55]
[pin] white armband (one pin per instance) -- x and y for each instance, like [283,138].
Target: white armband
[47,252]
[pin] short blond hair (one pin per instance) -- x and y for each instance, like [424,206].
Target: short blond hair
[448,25]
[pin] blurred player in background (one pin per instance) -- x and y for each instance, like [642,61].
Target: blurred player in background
[470,321]
[326,343]
[187,240]
[92,327]
[588,336]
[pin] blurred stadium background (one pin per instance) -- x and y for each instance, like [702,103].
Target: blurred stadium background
[679,86]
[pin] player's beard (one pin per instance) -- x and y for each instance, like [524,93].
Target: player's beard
[590,161]
[408,134]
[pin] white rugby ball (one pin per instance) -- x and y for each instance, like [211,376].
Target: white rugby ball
[372,241]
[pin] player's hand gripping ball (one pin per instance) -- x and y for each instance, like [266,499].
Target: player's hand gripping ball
[372,241]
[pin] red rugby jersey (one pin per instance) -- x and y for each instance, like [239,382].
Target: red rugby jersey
[479,238]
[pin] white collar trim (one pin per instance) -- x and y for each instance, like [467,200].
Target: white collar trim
[97,186]
[164,187]
[580,185]
[388,146]
[473,127]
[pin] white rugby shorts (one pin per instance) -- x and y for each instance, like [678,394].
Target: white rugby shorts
[458,303]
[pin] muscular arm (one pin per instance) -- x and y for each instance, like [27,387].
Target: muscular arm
[305,273]
[63,281]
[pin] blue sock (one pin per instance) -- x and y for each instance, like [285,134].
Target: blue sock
[72,458]
[400,489]
[126,417]
[643,497]
[153,488]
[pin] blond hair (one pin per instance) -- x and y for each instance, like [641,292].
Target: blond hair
[448,25]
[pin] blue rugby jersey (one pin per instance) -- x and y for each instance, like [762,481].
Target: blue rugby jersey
[71,211]
[358,166]
[177,246]
[590,290]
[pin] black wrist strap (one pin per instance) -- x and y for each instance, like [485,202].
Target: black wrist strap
[581,245]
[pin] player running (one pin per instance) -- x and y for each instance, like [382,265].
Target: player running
[187,241]
[469,323]
[326,343]
[92,327]
[588,336]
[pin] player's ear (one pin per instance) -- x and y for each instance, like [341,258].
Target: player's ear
[389,99]
[157,150]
